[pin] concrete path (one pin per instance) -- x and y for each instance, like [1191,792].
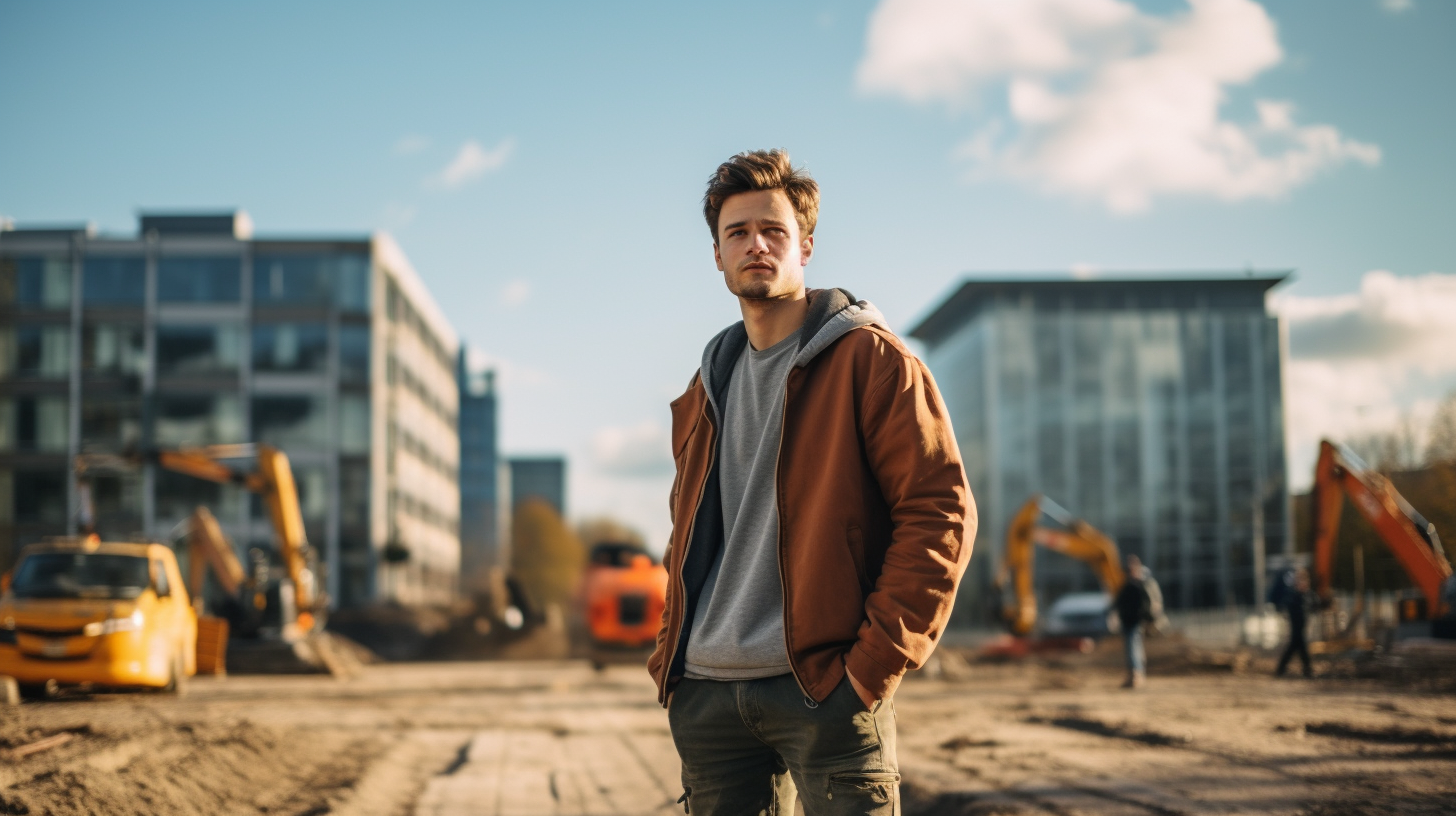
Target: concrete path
[533,772]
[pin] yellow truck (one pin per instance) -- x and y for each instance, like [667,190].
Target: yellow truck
[79,611]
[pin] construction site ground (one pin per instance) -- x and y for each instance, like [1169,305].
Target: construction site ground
[1050,735]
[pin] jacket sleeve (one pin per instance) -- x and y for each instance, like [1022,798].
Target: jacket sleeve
[913,454]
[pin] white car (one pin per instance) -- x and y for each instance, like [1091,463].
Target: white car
[1078,614]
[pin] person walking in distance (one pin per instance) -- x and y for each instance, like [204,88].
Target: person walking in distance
[1134,607]
[1296,602]
[821,524]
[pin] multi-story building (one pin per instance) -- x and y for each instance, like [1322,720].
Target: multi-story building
[195,332]
[479,477]
[1152,408]
[540,477]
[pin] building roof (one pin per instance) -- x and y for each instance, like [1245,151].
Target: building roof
[1108,290]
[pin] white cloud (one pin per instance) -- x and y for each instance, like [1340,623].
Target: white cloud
[639,451]
[1397,6]
[411,144]
[1359,363]
[516,292]
[1104,101]
[474,161]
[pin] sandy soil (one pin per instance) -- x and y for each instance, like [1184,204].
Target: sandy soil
[1051,736]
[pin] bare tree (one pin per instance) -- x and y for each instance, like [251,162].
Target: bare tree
[607,530]
[1391,450]
[1441,441]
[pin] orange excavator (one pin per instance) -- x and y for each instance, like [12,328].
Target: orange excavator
[1411,538]
[1075,538]
[624,591]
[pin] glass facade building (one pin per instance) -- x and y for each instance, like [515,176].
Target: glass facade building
[194,332]
[1151,408]
[480,517]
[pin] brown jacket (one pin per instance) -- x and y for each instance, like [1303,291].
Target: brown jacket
[876,520]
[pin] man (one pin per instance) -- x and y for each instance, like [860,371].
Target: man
[1296,603]
[821,524]
[1134,606]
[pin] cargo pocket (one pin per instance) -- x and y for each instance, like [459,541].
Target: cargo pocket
[867,787]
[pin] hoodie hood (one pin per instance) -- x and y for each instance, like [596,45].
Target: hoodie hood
[832,314]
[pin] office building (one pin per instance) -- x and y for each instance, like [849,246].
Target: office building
[1152,408]
[480,549]
[539,477]
[195,332]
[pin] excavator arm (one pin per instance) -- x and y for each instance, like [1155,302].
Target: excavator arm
[1410,537]
[1081,541]
[272,478]
[1019,610]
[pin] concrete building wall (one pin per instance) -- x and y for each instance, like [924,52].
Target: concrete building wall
[197,333]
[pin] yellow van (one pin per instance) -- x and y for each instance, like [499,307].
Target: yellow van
[107,614]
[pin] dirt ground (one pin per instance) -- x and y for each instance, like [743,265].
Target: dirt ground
[1050,736]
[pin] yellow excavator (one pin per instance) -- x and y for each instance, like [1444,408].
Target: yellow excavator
[1075,538]
[265,612]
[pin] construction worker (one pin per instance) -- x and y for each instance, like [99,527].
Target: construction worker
[1134,607]
[1296,603]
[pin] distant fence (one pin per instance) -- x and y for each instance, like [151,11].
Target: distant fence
[1266,628]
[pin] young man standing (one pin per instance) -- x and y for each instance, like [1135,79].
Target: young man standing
[821,524]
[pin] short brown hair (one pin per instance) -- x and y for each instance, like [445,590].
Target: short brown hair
[763,170]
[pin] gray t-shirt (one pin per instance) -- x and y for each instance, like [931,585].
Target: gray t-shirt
[738,628]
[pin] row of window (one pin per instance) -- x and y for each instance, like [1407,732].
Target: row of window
[44,351]
[121,280]
[399,310]
[289,421]
[403,502]
[417,448]
[396,372]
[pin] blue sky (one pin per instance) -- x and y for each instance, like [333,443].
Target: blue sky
[542,165]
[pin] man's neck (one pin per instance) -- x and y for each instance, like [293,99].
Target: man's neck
[769,321]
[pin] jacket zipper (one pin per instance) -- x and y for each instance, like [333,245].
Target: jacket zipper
[779,544]
[682,585]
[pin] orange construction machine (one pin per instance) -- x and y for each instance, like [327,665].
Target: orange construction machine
[624,592]
[1075,538]
[1339,472]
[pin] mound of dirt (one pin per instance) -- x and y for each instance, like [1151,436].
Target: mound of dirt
[184,768]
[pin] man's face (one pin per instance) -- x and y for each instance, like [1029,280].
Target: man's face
[759,248]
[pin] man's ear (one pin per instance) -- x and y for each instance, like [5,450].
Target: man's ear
[718,257]
[806,249]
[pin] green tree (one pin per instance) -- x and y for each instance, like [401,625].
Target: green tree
[546,557]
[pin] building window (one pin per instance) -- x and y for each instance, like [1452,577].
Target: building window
[198,349]
[341,280]
[353,423]
[199,280]
[354,353]
[198,419]
[40,424]
[290,347]
[39,496]
[113,349]
[110,422]
[118,281]
[179,494]
[38,282]
[294,421]
[35,351]
[354,498]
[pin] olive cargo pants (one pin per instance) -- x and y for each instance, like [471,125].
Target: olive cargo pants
[752,746]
